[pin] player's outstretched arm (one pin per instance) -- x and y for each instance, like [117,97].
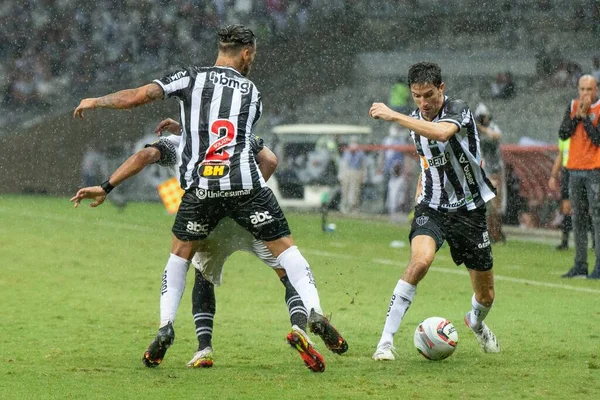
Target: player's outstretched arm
[122,99]
[96,193]
[129,168]
[440,131]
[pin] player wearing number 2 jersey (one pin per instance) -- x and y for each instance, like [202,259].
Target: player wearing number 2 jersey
[218,109]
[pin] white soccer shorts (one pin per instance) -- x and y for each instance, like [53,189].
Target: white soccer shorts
[227,238]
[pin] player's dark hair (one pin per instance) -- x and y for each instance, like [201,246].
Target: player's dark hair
[235,37]
[423,73]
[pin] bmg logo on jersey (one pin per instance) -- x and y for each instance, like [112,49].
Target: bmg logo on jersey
[260,218]
[196,227]
[234,83]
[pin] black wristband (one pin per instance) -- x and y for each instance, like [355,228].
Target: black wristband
[107,186]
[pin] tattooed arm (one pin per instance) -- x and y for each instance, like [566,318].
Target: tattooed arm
[122,99]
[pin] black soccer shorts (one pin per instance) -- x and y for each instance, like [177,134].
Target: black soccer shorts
[465,231]
[255,210]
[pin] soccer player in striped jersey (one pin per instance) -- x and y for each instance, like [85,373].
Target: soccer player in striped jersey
[227,238]
[450,206]
[219,107]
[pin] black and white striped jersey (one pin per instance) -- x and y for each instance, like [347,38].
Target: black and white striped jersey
[170,157]
[219,108]
[451,175]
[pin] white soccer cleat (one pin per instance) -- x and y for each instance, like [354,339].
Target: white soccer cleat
[384,352]
[202,359]
[486,338]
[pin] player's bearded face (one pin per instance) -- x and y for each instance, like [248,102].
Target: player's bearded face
[428,98]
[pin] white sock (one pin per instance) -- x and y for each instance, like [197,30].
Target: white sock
[477,314]
[402,298]
[301,278]
[173,286]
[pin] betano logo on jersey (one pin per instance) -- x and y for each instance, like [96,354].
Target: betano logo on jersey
[232,82]
[437,161]
[213,170]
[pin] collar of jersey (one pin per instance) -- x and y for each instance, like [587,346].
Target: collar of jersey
[231,68]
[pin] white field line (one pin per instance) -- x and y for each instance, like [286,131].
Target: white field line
[399,263]
[457,271]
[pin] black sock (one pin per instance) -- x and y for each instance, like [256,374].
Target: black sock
[298,314]
[203,309]
[567,226]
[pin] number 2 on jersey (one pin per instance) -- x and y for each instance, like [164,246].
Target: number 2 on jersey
[225,131]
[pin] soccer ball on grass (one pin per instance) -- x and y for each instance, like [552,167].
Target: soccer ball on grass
[436,338]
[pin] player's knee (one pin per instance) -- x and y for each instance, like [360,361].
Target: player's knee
[280,272]
[184,249]
[485,297]
[416,270]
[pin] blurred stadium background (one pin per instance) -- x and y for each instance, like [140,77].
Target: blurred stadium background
[318,62]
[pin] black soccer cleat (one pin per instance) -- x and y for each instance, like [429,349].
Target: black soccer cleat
[320,326]
[158,348]
[576,272]
[595,274]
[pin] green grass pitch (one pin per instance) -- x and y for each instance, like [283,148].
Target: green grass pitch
[80,296]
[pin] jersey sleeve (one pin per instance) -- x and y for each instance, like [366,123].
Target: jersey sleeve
[168,150]
[456,112]
[174,83]
[259,109]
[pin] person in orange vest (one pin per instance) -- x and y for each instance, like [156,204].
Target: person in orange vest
[580,124]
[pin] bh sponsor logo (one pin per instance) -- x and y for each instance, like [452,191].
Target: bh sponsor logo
[213,170]
[260,218]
